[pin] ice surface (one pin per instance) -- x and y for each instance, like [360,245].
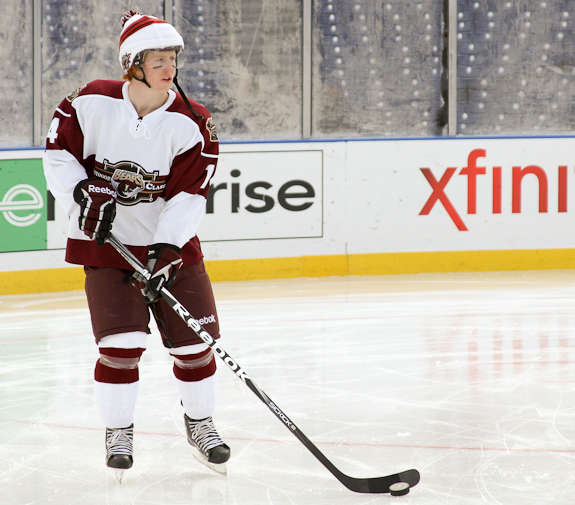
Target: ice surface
[467,377]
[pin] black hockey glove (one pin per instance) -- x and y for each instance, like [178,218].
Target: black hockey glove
[163,263]
[97,200]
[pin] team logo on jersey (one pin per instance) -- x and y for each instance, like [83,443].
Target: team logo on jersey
[127,184]
[212,129]
[133,184]
[74,94]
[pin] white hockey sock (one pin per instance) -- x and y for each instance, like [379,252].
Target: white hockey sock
[116,402]
[199,398]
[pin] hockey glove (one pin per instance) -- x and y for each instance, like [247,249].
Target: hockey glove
[163,263]
[97,200]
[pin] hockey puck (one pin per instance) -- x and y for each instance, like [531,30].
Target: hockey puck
[399,489]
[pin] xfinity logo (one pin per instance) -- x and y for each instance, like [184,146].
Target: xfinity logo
[21,197]
[472,171]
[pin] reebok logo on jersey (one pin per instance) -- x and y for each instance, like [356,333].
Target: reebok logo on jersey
[207,319]
[98,189]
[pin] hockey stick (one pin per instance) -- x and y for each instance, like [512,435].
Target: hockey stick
[369,485]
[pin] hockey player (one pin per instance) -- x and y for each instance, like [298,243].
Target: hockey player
[138,157]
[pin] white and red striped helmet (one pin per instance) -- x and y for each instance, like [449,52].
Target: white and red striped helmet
[143,33]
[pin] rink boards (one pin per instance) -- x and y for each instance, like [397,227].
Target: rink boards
[342,207]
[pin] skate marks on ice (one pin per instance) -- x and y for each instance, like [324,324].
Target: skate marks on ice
[468,378]
[475,379]
[495,394]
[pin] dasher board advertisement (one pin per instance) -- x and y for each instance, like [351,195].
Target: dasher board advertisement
[265,195]
[23,206]
[462,194]
[348,197]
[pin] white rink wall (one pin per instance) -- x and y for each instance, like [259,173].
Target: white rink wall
[371,194]
[323,198]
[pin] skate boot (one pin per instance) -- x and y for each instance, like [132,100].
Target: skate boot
[209,448]
[120,448]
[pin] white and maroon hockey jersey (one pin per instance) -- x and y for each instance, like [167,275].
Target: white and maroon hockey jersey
[169,157]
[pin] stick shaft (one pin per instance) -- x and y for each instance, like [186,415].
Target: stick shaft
[197,328]
[371,485]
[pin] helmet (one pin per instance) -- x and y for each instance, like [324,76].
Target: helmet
[142,33]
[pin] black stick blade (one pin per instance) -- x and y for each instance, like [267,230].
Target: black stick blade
[377,485]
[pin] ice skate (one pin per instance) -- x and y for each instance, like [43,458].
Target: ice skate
[120,449]
[209,448]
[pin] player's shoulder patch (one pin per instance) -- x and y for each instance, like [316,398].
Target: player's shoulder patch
[75,93]
[211,127]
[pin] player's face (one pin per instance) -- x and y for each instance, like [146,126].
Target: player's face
[160,68]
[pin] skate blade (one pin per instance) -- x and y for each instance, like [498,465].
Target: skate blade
[219,468]
[120,475]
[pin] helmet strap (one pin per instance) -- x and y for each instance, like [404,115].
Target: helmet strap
[143,78]
[185,97]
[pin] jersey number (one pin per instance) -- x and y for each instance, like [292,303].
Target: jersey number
[53,131]
[210,171]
